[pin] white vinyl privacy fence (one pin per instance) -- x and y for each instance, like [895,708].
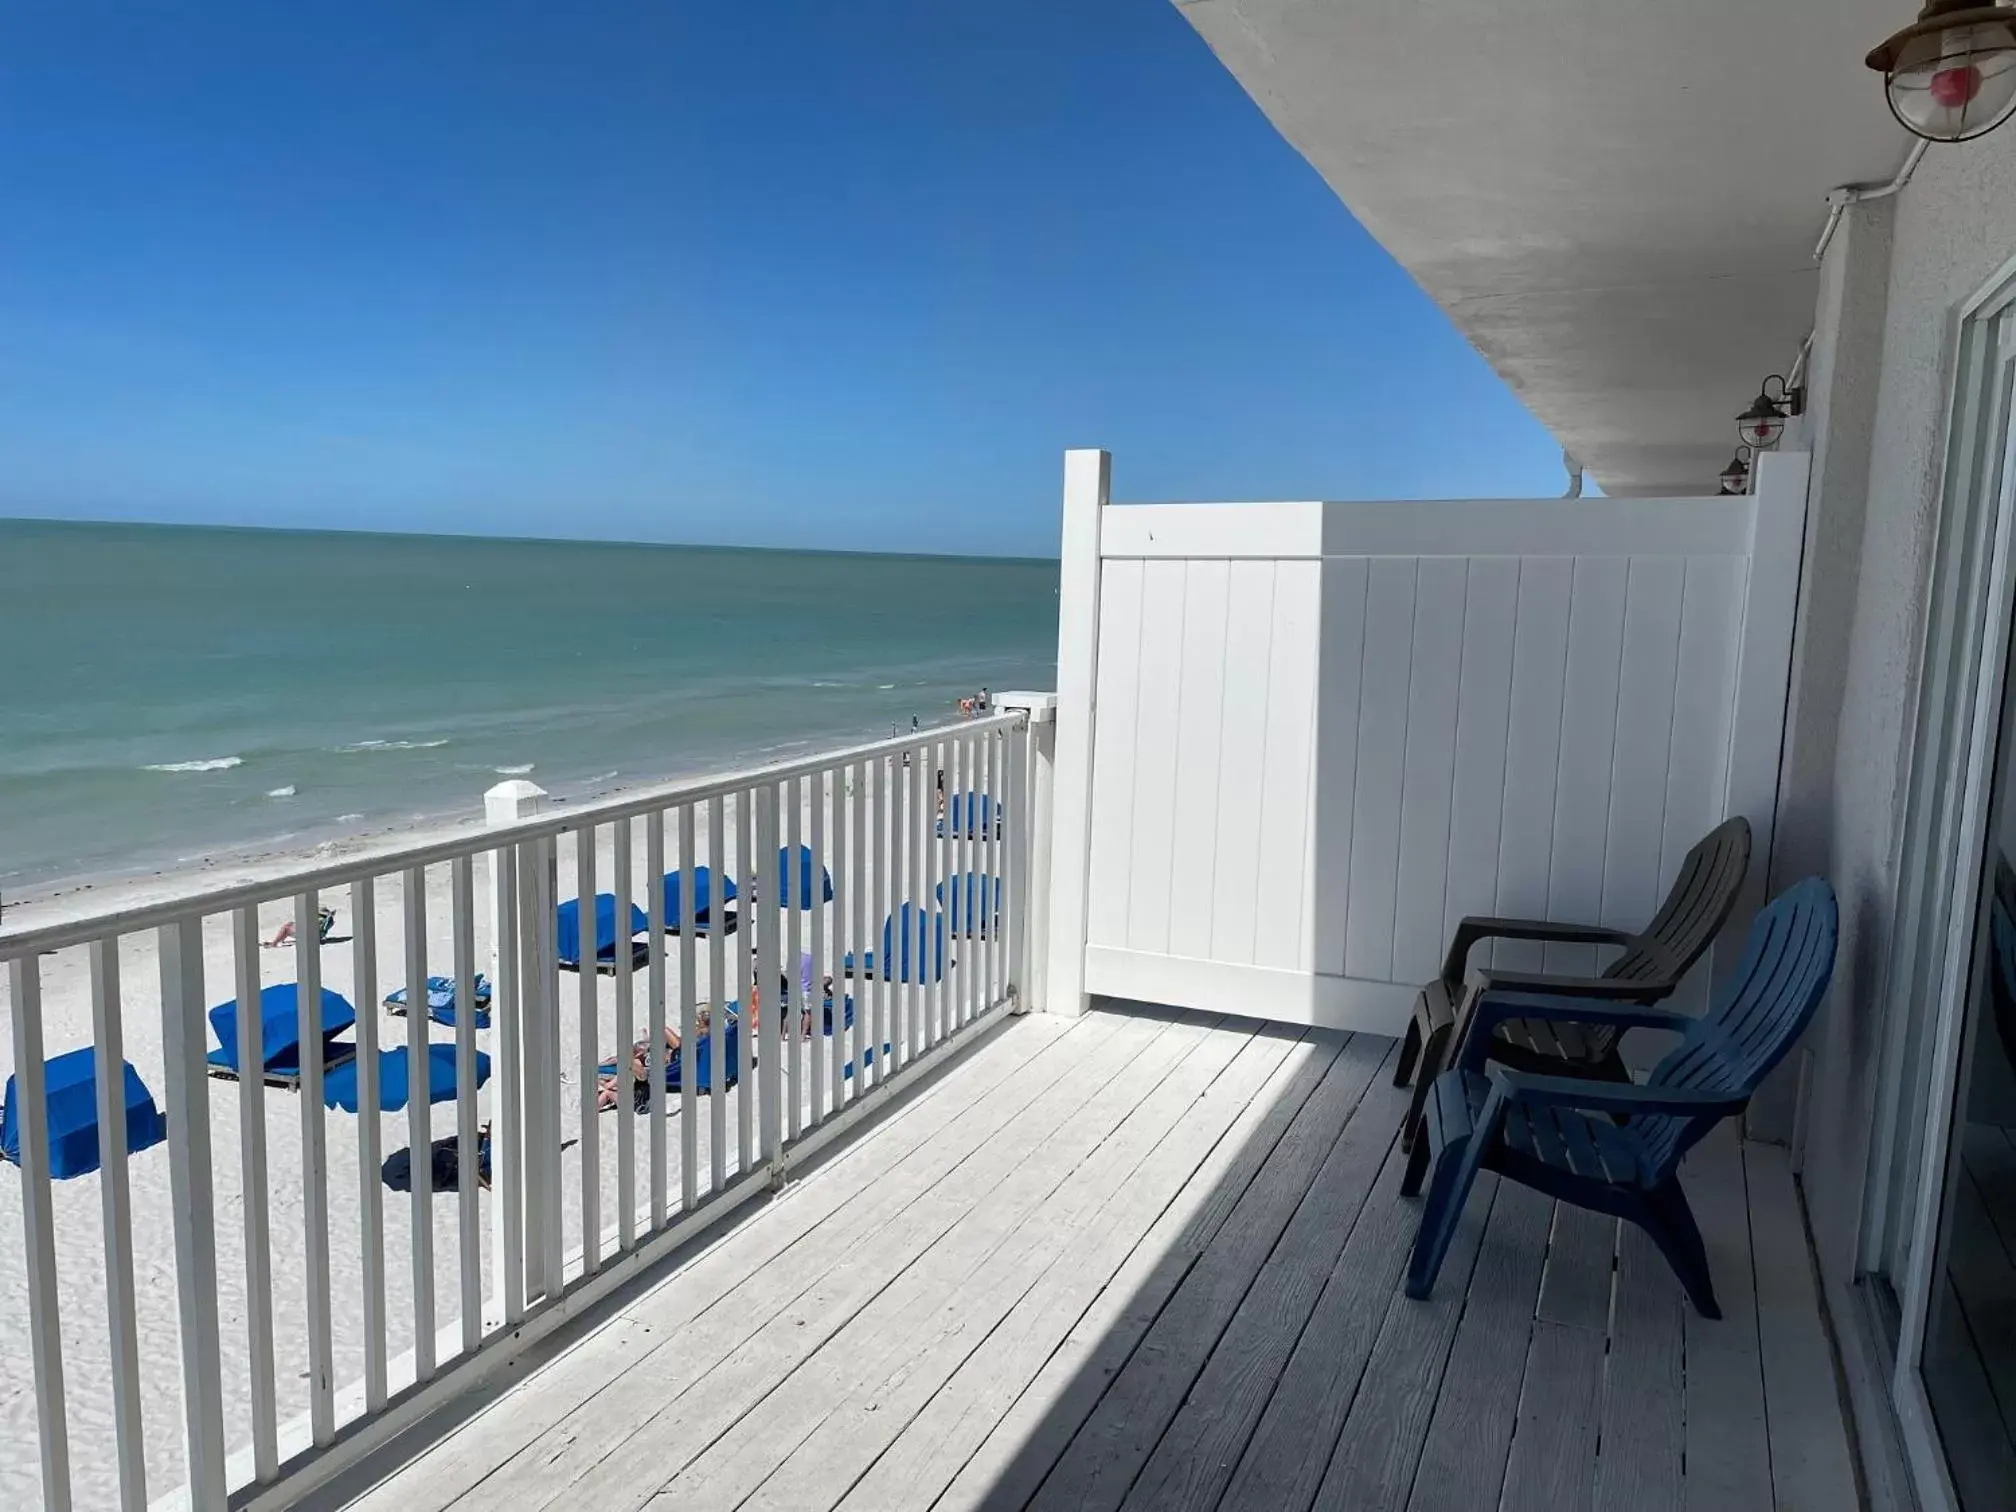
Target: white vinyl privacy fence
[1297,742]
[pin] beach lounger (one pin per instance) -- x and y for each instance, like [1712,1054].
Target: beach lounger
[703,1063]
[607,936]
[280,1035]
[1561,1136]
[709,911]
[800,888]
[395,1081]
[441,1001]
[70,1087]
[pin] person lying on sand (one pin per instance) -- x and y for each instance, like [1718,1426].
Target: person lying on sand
[325,920]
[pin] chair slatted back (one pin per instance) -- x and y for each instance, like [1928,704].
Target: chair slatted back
[1756,1016]
[1695,909]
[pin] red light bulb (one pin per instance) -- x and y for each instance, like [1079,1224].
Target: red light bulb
[1953,88]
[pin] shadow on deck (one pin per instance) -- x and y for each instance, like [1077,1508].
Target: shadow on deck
[1152,1260]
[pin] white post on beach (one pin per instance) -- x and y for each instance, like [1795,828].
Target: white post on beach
[506,803]
[1029,850]
[1088,477]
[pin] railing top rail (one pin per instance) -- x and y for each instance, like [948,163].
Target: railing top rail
[261,885]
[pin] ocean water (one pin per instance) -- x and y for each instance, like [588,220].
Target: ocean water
[171,695]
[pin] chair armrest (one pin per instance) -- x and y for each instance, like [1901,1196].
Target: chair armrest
[1490,979]
[1612,1097]
[1488,1009]
[1476,928]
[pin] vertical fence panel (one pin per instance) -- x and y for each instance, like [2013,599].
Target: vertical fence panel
[180,948]
[626,1132]
[717,996]
[756,918]
[45,1332]
[252,1166]
[507,1132]
[314,1164]
[654,869]
[370,1188]
[587,1036]
[790,989]
[462,909]
[825,1014]
[419,1119]
[689,1109]
[878,936]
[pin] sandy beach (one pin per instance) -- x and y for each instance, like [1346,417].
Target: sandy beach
[67,1025]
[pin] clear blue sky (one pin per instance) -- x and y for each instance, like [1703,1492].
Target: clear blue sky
[776,272]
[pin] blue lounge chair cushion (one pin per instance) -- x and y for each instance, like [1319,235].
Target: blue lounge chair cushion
[703,1061]
[70,1083]
[704,898]
[917,926]
[339,1087]
[279,1027]
[969,814]
[568,927]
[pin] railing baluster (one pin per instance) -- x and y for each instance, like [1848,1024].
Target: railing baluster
[252,1166]
[717,995]
[370,1145]
[654,867]
[770,1021]
[753,921]
[419,1120]
[817,920]
[944,850]
[45,1328]
[1012,901]
[959,885]
[689,1106]
[314,1164]
[838,1051]
[889,938]
[587,1032]
[507,1131]
[902,960]
[540,946]
[187,1094]
[626,1129]
[790,988]
[989,820]
[468,1138]
[115,1198]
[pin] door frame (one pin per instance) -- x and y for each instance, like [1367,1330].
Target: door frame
[1979,501]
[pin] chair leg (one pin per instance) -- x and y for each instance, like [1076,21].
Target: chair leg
[1425,1072]
[1670,1223]
[1455,1173]
[1410,1052]
[1417,1167]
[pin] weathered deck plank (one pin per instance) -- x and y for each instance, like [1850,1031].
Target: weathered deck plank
[1811,1466]
[1101,1462]
[1147,1261]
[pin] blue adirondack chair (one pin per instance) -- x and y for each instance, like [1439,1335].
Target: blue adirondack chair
[1562,1135]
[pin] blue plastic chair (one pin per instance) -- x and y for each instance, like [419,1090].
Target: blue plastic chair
[969,815]
[975,904]
[919,929]
[568,931]
[798,885]
[1562,1136]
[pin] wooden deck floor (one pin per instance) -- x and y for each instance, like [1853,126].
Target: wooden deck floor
[1152,1261]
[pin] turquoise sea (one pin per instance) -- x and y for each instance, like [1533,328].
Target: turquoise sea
[173,694]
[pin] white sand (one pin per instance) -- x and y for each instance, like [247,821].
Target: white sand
[67,1024]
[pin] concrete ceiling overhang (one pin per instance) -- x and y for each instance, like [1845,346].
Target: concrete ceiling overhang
[1615,200]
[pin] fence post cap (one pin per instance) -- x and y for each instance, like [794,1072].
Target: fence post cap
[513,800]
[1040,707]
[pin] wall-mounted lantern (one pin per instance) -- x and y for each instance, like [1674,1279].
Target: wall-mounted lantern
[1762,426]
[1736,476]
[1950,76]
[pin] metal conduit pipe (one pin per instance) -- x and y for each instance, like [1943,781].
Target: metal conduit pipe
[1839,199]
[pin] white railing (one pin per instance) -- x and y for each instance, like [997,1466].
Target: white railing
[265,1317]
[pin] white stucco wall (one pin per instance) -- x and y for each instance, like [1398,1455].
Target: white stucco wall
[1953,228]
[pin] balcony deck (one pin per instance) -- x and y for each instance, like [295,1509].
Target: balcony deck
[1153,1260]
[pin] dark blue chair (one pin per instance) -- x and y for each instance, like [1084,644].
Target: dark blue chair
[970,815]
[975,902]
[441,1001]
[704,900]
[804,885]
[1616,1148]
[70,1132]
[926,931]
